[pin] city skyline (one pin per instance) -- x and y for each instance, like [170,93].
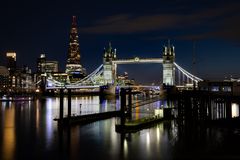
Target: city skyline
[31,29]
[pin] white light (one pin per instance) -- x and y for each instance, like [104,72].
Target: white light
[158,112]
[235,110]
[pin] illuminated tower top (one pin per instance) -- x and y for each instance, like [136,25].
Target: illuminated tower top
[169,53]
[73,59]
[109,54]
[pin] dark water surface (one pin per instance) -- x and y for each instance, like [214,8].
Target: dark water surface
[27,131]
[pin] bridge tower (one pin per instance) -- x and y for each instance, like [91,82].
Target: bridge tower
[168,65]
[109,69]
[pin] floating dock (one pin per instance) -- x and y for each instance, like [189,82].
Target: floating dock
[136,125]
[83,119]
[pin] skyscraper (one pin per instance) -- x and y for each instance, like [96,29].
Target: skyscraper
[73,66]
[40,63]
[11,61]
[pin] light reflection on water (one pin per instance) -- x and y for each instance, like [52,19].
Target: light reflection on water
[27,131]
[8,135]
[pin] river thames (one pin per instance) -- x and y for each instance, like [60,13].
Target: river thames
[28,131]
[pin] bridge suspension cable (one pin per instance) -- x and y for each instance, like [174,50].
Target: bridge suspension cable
[91,77]
[88,80]
[187,74]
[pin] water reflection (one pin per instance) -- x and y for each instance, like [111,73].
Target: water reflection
[8,135]
[27,131]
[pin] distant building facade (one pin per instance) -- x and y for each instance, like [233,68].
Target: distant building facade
[44,66]
[123,80]
[220,87]
[13,79]
[11,61]
[4,79]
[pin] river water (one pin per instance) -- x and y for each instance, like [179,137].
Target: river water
[28,131]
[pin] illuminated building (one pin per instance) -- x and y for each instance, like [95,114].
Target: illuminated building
[16,80]
[123,80]
[44,66]
[4,75]
[73,67]
[51,66]
[14,77]
[26,80]
[11,61]
[41,63]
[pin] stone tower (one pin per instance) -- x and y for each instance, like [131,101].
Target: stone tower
[168,65]
[108,67]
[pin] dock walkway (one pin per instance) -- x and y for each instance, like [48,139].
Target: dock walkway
[83,119]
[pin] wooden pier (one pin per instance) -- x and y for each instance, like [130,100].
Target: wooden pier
[134,126]
[127,125]
[80,119]
[83,119]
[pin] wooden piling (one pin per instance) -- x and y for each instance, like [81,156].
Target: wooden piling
[123,104]
[129,103]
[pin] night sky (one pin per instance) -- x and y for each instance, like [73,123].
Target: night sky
[135,28]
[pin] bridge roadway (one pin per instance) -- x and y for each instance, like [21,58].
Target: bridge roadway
[74,87]
[97,86]
[137,60]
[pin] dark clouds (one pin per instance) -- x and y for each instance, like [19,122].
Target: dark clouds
[219,20]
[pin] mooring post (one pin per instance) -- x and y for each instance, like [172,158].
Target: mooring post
[209,108]
[123,104]
[130,103]
[69,103]
[228,109]
[61,105]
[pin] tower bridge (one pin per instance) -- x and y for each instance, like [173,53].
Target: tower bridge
[106,73]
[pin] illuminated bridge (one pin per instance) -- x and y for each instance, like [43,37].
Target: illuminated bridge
[106,73]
